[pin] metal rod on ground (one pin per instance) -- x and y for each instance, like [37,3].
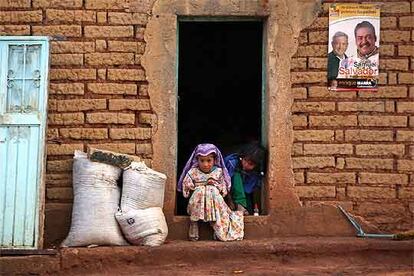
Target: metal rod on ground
[360,231]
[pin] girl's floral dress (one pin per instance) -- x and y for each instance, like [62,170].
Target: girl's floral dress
[207,204]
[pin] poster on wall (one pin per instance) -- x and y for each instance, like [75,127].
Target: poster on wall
[353,50]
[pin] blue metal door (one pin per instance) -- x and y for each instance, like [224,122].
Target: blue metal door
[23,101]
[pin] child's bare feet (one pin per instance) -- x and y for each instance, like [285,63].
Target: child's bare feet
[193,231]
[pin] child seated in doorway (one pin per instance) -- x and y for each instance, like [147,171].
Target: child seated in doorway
[246,171]
[206,181]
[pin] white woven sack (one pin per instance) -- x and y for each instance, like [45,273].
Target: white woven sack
[96,200]
[142,187]
[143,226]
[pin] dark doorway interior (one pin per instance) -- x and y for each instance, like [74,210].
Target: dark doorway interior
[219,87]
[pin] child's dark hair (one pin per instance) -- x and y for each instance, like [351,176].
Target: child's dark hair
[255,153]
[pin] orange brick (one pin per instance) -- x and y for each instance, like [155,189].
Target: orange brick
[73,74]
[62,30]
[57,3]
[126,74]
[143,148]
[102,17]
[128,148]
[109,58]
[320,22]
[126,46]
[113,88]
[371,192]
[21,16]
[383,121]
[100,45]
[108,31]
[317,63]
[334,120]
[308,77]
[15,4]
[81,105]
[407,21]
[72,47]
[313,162]
[66,88]
[84,133]
[313,135]
[406,165]
[383,178]
[63,149]
[386,50]
[395,36]
[126,104]
[405,107]
[394,64]
[110,118]
[368,135]
[107,4]
[70,16]
[14,29]
[388,22]
[361,106]
[406,192]
[315,191]
[312,51]
[298,63]
[369,164]
[66,59]
[297,149]
[299,93]
[313,107]
[130,133]
[303,37]
[395,7]
[321,36]
[66,119]
[405,78]
[405,135]
[386,92]
[323,92]
[299,120]
[327,149]
[126,18]
[380,149]
[146,118]
[58,180]
[347,177]
[406,50]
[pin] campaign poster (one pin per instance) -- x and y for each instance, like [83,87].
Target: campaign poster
[353,51]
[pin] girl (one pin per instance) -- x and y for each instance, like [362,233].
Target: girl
[206,177]
[245,170]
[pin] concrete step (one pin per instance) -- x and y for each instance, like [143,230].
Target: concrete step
[279,256]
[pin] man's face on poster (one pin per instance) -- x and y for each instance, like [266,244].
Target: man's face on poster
[339,45]
[365,40]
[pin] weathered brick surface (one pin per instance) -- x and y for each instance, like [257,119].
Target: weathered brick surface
[130,133]
[108,31]
[66,59]
[59,193]
[107,4]
[60,165]
[113,88]
[58,30]
[84,133]
[66,118]
[348,177]
[128,148]
[147,118]
[81,105]
[383,178]
[109,58]
[15,3]
[126,46]
[315,191]
[110,118]
[121,104]
[70,16]
[72,74]
[14,29]
[63,149]
[21,16]
[376,128]
[143,149]
[126,74]
[66,88]
[72,47]
[124,18]
[57,3]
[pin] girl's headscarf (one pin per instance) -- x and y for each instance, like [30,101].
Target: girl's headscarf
[204,150]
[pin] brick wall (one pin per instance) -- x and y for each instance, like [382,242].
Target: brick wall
[357,148]
[98,93]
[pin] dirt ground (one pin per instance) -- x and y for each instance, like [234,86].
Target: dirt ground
[281,256]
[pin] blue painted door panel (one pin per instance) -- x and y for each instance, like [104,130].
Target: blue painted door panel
[23,100]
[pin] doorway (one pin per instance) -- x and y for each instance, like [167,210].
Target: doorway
[219,87]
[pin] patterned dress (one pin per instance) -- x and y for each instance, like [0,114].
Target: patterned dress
[207,204]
